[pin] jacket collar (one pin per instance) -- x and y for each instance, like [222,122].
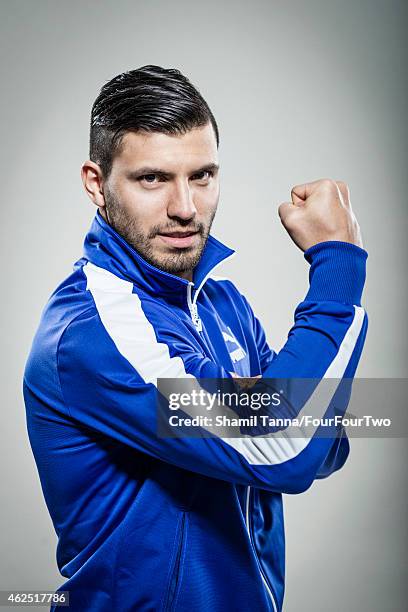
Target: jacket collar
[105,248]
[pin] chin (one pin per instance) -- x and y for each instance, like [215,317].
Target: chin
[180,260]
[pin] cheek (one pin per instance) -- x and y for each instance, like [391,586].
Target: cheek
[144,202]
[206,200]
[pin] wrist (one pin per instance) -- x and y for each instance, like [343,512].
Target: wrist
[337,272]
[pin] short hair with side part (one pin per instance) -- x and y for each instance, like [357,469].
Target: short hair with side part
[149,99]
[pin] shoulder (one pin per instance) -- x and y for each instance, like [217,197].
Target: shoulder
[68,303]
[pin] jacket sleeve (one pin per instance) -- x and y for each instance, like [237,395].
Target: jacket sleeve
[340,448]
[110,358]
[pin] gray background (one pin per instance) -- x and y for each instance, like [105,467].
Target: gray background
[301,91]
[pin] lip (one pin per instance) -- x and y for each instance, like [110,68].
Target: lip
[179,239]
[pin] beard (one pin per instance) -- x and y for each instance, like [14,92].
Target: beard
[180,260]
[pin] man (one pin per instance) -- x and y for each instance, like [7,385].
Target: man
[164,523]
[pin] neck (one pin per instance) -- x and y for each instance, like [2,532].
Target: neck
[187,275]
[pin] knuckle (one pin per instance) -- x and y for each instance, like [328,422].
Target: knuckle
[342,185]
[284,208]
[291,221]
[328,184]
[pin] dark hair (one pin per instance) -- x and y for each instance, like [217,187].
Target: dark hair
[151,99]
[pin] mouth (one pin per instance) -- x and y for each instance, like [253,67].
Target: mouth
[179,239]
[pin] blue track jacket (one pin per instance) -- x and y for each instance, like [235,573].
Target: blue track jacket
[149,523]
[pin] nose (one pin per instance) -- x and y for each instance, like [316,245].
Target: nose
[181,204]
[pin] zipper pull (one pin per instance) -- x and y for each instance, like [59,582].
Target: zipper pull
[196,318]
[193,308]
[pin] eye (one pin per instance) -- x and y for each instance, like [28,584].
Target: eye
[148,178]
[203,176]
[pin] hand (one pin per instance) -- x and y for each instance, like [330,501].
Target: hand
[320,211]
[245,382]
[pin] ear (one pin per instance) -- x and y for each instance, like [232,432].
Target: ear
[92,180]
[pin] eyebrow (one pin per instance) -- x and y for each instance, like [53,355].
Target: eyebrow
[134,174]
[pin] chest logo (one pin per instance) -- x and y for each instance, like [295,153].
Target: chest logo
[235,350]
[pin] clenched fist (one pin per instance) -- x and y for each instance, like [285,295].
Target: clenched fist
[320,211]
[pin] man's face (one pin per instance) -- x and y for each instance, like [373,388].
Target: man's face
[162,195]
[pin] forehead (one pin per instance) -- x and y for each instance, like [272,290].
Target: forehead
[193,149]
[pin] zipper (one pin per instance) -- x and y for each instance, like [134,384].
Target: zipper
[264,579]
[175,578]
[192,306]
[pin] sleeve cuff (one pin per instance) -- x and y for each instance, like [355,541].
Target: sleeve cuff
[337,272]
